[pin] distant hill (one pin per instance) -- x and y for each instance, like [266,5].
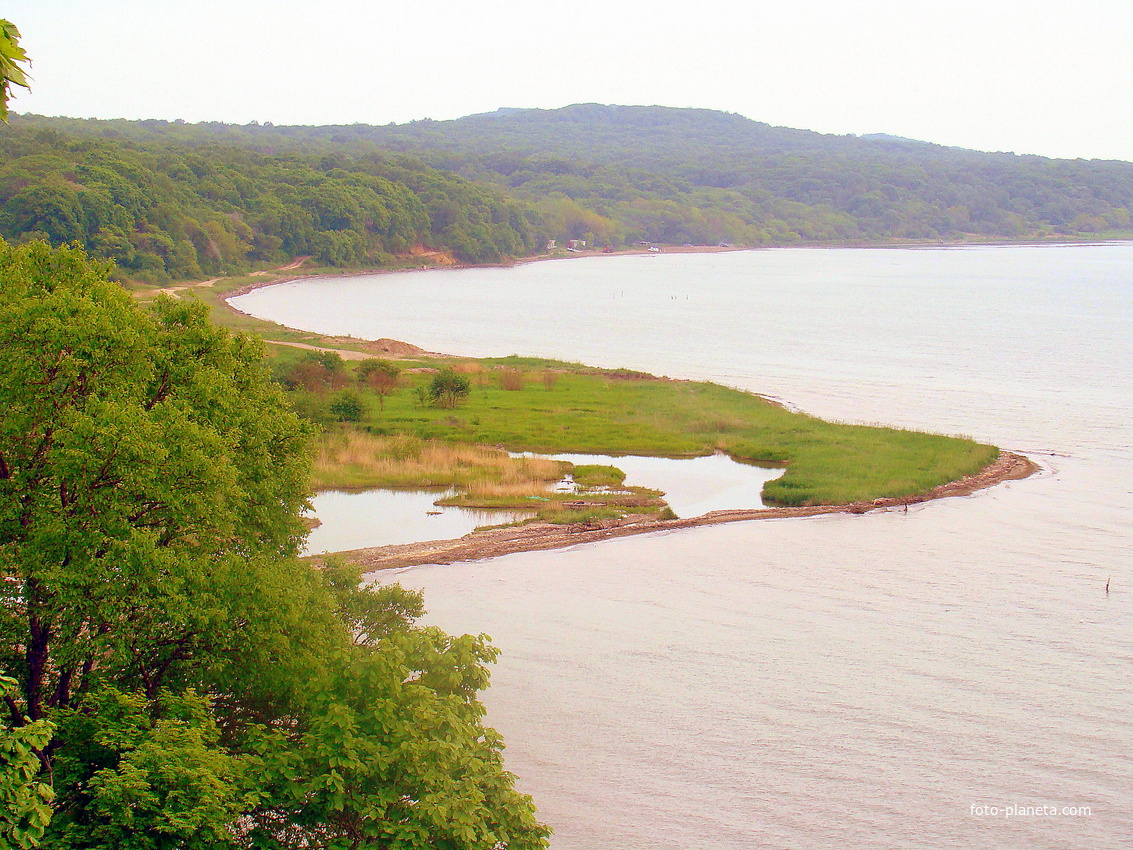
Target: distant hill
[621,174]
[699,175]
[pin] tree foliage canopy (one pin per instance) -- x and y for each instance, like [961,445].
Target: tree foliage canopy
[207,688]
[697,175]
[147,471]
[165,211]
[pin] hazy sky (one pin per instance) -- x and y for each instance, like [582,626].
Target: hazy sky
[1051,78]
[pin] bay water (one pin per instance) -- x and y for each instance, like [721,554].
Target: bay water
[957,676]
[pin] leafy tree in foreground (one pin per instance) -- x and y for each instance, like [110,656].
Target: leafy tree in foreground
[150,478]
[208,689]
[395,754]
[142,774]
[12,56]
[25,802]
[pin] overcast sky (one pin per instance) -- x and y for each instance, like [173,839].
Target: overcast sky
[1051,78]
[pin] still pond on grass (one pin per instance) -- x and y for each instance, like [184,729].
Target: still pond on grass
[883,681]
[364,518]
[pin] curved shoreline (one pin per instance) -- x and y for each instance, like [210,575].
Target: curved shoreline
[495,542]
[914,244]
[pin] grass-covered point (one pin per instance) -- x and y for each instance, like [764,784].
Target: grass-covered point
[513,404]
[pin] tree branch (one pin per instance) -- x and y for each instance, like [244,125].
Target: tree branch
[18,718]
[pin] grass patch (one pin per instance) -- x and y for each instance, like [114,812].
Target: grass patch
[615,412]
[596,411]
[597,475]
[353,459]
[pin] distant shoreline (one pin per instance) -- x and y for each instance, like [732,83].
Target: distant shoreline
[926,244]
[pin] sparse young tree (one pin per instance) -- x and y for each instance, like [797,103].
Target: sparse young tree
[511,379]
[448,388]
[381,376]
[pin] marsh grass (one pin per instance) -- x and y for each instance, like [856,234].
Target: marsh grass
[631,498]
[597,475]
[348,458]
[617,412]
[485,478]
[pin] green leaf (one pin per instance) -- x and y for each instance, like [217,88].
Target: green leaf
[11,57]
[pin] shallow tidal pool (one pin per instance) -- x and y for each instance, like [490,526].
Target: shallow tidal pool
[365,518]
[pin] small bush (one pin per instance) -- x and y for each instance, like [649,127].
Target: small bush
[448,389]
[310,406]
[346,407]
[511,379]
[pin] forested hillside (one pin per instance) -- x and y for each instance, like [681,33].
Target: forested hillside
[167,210]
[495,185]
[693,175]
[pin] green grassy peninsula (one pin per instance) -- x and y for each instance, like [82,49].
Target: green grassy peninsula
[377,435]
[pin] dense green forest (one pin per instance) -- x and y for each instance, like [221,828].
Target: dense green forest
[165,210]
[616,175]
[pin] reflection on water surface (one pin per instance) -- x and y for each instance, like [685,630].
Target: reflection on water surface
[360,519]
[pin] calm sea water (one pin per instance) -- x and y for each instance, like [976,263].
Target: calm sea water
[887,680]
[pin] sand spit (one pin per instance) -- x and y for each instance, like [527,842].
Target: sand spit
[492,543]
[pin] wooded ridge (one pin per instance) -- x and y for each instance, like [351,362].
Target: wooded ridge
[170,200]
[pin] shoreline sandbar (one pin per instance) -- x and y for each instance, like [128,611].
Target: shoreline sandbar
[537,536]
